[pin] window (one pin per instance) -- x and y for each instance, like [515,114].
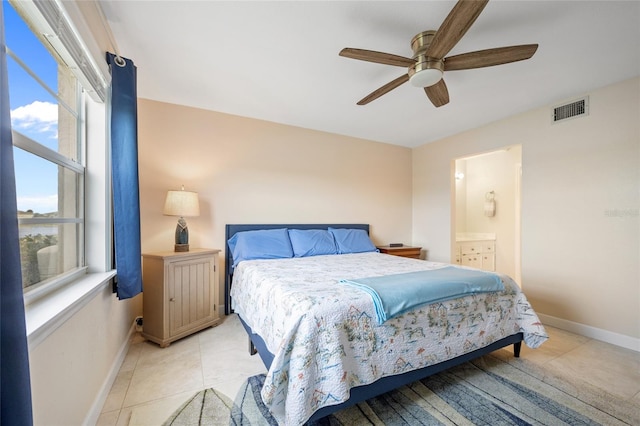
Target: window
[47,114]
[58,87]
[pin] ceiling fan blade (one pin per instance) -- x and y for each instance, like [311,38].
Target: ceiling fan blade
[438,93]
[384,89]
[490,57]
[455,25]
[377,57]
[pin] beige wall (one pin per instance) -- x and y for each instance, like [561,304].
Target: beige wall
[71,368]
[580,201]
[252,171]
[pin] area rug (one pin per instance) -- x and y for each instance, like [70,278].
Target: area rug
[207,407]
[486,391]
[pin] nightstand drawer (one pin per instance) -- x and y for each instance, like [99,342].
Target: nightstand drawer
[404,251]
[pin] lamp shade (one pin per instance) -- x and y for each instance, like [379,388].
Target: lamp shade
[181,203]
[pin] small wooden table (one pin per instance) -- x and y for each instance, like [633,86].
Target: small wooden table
[180,293]
[404,251]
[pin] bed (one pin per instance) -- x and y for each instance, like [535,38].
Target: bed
[321,340]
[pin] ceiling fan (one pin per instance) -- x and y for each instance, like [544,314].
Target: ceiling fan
[426,67]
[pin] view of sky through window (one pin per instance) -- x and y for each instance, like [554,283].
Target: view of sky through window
[34,113]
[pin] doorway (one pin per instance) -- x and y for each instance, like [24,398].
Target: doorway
[487,210]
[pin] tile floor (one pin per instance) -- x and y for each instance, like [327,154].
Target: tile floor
[153,382]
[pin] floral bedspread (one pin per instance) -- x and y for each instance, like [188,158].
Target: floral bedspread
[326,339]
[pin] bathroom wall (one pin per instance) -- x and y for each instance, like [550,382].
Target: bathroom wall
[493,171]
[580,199]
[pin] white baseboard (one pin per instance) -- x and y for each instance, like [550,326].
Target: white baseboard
[592,332]
[96,407]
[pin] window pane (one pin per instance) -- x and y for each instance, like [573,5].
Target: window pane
[34,112]
[45,189]
[39,116]
[36,184]
[47,250]
[47,192]
[45,101]
[67,122]
[24,43]
[68,193]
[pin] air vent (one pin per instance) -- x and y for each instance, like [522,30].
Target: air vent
[573,109]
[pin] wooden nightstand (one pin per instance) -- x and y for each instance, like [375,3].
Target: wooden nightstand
[180,293]
[404,251]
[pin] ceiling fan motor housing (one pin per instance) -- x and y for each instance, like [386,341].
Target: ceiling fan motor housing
[426,71]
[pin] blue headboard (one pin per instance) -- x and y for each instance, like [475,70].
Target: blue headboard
[231,230]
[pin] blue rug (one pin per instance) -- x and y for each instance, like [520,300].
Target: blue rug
[487,391]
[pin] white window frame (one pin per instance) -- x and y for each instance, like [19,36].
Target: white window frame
[32,147]
[46,310]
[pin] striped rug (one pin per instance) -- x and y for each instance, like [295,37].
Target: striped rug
[487,391]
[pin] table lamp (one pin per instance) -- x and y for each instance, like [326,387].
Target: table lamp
[183,204]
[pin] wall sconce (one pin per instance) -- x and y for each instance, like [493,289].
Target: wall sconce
[459,175]
[182,203]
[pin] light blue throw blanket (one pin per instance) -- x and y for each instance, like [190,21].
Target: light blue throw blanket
[395,294]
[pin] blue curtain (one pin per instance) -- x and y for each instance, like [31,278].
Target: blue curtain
[124,173]
[15,384]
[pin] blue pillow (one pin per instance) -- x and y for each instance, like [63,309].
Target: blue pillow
[312,242]
[352,240]
[260,244]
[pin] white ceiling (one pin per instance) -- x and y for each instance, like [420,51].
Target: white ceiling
[278,61]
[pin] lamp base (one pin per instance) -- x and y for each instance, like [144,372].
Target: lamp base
[181,247]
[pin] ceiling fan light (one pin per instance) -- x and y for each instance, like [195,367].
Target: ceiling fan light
[426,77]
